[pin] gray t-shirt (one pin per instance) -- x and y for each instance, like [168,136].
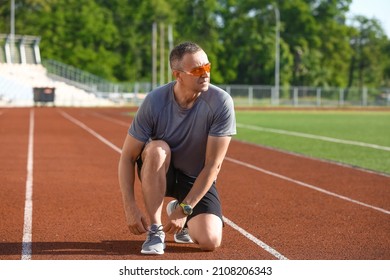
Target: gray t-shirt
[185,130]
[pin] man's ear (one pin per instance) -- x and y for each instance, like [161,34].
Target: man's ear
[176,74]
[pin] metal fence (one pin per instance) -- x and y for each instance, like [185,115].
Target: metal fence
[245,95]
[120,93]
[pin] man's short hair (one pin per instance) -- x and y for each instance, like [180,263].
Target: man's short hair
[179,51]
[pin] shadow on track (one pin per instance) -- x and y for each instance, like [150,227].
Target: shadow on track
[103,248]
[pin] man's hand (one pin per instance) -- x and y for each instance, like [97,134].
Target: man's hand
[136,221]
[176,221]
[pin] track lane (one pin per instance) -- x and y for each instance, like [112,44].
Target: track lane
[367,187]
[300,223]
[14,129]
[73,180]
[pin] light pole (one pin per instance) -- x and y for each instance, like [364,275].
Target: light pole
[154,55]
[170,44]
[12,28]
[277,52]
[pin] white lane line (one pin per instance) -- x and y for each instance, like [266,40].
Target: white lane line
[306,185]
[97,135]
[27,228]
[255,240]
[233,225]
[328,161]
[122,123]
[312,136]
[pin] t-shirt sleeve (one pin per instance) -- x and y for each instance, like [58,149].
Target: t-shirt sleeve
[142,126]
[224,123]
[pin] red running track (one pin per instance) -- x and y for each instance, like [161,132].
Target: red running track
[276,205]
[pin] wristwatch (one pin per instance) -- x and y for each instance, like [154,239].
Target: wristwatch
[187,209]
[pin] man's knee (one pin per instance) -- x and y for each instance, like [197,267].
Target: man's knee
[156,149]
[210,243]
[206,231]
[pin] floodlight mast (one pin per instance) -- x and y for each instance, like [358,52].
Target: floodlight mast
[170,44]
[275,98]
[154,55]
[277,53]
[12,27]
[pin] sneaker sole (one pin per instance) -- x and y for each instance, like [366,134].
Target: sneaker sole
[153,252]
[182,242]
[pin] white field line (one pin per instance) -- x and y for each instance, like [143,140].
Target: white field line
[27,228]
[312,136]
[345,165]
[255,240]
[97,135]
[306,185]
[233,225]
[122,123]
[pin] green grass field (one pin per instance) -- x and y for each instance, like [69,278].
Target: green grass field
[358,138]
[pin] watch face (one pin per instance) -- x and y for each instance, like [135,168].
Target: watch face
[187,209]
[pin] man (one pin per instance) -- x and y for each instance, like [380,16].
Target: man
[177,141]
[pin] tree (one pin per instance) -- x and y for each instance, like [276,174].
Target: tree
[334,48]
[197,21]
[113,38]
[247,29]
[369,58]
[79,33]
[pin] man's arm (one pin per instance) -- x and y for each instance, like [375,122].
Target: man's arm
[132,148]
[215,153]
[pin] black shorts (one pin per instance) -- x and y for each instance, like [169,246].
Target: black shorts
[179,185]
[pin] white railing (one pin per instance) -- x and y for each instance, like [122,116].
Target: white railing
[246,95]
[75,87]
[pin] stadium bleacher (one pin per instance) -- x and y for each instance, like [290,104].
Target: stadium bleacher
[21,72]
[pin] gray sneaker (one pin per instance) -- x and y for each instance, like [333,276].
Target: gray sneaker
[154,243]
[182,236]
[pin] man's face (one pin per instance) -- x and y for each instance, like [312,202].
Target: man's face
[198,64]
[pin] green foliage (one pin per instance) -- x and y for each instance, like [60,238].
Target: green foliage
[113,38]
[369,58]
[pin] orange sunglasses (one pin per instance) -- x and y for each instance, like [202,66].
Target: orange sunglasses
[198,71]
